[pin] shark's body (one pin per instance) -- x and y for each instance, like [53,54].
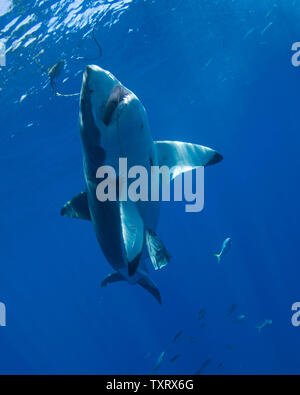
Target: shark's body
[114,125]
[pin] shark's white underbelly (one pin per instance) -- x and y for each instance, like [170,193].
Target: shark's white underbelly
[107,225]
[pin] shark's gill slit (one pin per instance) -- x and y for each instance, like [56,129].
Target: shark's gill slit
[117,95]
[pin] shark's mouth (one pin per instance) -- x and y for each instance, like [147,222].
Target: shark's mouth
[115,98]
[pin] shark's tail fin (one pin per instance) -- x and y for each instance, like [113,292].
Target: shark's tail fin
[149,285]
[218,257]
[112,278]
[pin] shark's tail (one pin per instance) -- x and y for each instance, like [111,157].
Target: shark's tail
[144,282]
[149,285]
[218,257]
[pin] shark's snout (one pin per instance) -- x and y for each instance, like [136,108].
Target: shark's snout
[105,91]
[89,71]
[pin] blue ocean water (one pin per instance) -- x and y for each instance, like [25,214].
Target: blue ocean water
[216,73]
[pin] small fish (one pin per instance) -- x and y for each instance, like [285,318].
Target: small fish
[56,70]
[225,248]
[229,347]
[175,358]
[207,64]
[249,32]
[264,325]
[203,366]
[201,314]
[177,336]
[23,98]
[266,28]
[239,319]
[159,361]
[231,310]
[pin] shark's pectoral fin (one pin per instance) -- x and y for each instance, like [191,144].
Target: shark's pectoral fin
[184,156]
[157,251]
[149,285]
[112,278]
[132,227]
[78,207]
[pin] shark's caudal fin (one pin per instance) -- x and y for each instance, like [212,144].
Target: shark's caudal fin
[157,251]
[133,234]
[112,278]
[149,285]
[77,207]
[184,156]
[144,282]
[218,256]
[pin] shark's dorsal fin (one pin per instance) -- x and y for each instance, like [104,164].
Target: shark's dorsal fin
[77,207]
[132,227]
[185,156]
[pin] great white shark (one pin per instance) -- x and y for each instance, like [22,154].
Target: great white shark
[114,124]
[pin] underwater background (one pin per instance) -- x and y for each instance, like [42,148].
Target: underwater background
[216,73]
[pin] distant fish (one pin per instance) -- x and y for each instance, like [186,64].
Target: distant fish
[201,314]
[177,336]
[159,361]
[221,365]
[203,366]
[54,72]
[175,358]
[239,319]
[231,310]
[249,32]
[207,64]
[23,98]
[191,339]
[266,28]
[264,325]
[225,248]
[269,13]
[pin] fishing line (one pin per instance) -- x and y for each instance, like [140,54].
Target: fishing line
[57,69]
[56,93]
[99,49]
